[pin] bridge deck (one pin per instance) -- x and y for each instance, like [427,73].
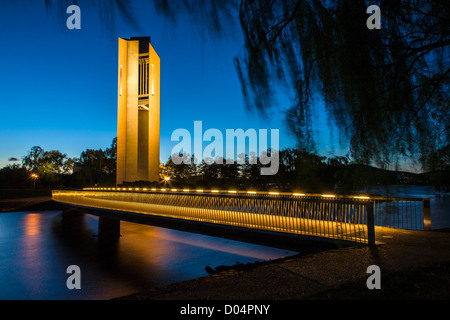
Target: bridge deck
[290,222]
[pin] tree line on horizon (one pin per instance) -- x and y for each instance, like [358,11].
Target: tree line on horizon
[299,170]
[56,170]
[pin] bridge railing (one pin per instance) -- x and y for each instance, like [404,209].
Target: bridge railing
[350,220]
[392,212]
[326,216]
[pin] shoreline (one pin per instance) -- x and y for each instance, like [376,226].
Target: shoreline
[43,203]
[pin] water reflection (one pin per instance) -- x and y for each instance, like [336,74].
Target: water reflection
[32,224]
[37,248]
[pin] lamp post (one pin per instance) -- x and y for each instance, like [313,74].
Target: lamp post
[166,180]
[34,176]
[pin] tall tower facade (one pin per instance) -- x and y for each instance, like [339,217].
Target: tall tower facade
[138,130]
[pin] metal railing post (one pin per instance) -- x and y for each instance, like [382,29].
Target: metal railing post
[426,212]
[370,219]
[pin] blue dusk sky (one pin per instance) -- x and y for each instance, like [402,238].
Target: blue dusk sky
[59,86]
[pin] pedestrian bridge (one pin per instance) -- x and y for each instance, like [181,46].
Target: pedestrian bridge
[353,219]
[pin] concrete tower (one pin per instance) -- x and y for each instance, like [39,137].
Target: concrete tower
[138,130]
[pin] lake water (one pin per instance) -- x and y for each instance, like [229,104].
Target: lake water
[37,248]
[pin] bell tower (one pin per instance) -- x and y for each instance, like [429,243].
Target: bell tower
[138,130]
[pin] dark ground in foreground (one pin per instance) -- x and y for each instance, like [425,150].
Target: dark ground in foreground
[424,283]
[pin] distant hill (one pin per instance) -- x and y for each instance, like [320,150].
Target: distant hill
[370,175]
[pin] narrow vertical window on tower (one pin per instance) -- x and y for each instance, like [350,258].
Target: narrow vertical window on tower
[153,79]
[141,91]
[120,80]
[146,77]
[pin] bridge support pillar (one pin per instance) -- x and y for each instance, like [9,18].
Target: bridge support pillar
[109,228]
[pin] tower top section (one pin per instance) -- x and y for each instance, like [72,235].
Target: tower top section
[143,43]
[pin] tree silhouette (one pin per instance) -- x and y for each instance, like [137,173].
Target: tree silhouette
[385,90]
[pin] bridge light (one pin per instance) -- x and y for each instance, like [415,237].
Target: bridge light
[328,196]
[163,190]
[215,191]
[199,191]
[186,190]
[274,193]
[174,190]
[299,194]
[232,191]
[153,189]
[251,192]
[362,197]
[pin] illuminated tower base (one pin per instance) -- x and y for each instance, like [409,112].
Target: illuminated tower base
[138,131]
